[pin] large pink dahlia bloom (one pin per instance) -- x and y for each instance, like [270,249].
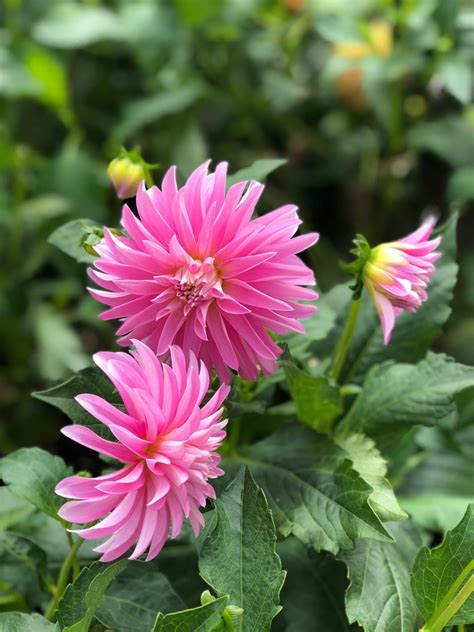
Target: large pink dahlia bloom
[397,273]
[197,271]
[166,439]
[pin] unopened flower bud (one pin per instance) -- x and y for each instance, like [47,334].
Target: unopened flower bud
[127,170]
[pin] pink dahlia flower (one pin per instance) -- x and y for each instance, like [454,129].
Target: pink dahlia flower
[197,271]
[397,273]
[167,441]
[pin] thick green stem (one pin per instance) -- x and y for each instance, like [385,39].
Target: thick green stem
[76,569]
[63,578]
[343,346]
[443,618]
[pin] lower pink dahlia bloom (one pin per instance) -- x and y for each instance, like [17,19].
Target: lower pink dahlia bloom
[397,273]
[166,439]
[197,271]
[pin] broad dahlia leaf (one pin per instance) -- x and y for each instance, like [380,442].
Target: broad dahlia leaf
[379,596]
[312,489]
[91,380]
[237,556]
[368,461]
[32,474]
[207,617]
[69,238]
[317,398]
[441,573]
[82,598]
[313,593]
[19,622]
[135,597]
[395,396]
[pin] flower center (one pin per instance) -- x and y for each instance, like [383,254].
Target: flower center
[197,282]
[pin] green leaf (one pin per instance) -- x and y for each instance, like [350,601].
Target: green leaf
[316,328]
[379,596]
[50,75]
[367,460]
[68,25]
[436,492]
[395,396]
[24,551]
[413,333]
[449,137]
[60,349]
[69,238]
[32,474]
[18,622]
[91,381]
[135,597]
[82,598]
[258,170]
[203,619]
[461,185]
[237,556]
[313,593]
[143,112]
[12,508]
[440,573]
[312,489]
[456,73]
[318,400]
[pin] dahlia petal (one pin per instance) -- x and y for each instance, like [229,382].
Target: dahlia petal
[89,439]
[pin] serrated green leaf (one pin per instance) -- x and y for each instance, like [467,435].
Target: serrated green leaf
[258,170]
[135,597]
[19,622]
[435,573]
[312,489]
[412,334]
[318,400]
[237,556]
[206,618]
[82,598]
[91,380]
[313,593]
[379,596]
[32,474]
[367,460]
[68,238]
[398,395]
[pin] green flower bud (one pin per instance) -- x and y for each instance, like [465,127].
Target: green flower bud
[127,170]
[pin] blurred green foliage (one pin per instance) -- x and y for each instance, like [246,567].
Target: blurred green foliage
[370,102]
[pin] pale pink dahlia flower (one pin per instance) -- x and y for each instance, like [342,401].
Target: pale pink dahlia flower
[397,273]
[197,271]
[166,439]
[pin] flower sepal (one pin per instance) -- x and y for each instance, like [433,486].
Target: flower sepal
[362,252]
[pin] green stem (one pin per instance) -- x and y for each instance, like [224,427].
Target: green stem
[63,578]
[448,613]
[461,627]
[228,621]
[234,434]
[76,569]
[343,347]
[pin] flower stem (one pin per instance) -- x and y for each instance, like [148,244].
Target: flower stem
[448,613]
[76,569]
[62,578]
[343,346]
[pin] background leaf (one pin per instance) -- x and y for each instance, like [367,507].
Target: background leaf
[18,622]
[135,597]
[68,238]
